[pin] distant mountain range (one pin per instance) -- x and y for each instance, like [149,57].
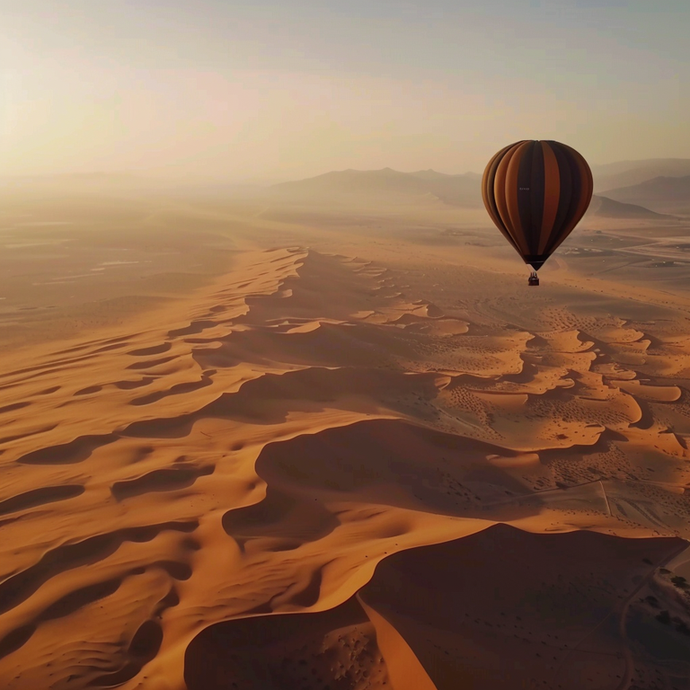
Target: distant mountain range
[383,184]
[644,187]
[389,186]
[665,194]
[629,173]
[604,207]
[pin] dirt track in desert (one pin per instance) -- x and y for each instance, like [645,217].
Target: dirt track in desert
[334,467]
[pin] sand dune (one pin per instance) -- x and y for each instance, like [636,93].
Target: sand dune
[293,478]
[471,613]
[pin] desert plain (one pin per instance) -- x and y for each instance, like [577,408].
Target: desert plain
[310,439]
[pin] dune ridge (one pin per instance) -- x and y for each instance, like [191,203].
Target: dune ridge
[271,446]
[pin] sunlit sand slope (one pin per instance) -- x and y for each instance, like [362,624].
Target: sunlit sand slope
[256,453]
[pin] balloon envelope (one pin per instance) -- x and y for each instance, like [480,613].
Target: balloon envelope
[536,192]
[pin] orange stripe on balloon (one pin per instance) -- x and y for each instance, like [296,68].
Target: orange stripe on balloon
[552,191]
[500,192]
[511,191]
[488,192]
[489,197]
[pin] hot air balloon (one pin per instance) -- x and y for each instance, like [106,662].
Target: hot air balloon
[536,192]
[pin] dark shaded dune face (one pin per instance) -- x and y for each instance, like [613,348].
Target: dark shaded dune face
[177,389]
[13,407]
[16,639]
[89,390]
[334,649]
[76,600]
[153,350]
[74,451]
[193,328]
[285,392]
[37,497]
[504,609]
[146,641]
[129,385]
[322,285]
[392,462]
[160,480]
[279,522]
[327,345]
[270,398]
[149,364]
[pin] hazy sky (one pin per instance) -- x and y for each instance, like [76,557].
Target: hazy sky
[293,88]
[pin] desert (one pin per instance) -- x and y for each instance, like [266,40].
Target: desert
[317,446]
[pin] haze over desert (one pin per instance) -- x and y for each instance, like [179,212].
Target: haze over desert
[279,409]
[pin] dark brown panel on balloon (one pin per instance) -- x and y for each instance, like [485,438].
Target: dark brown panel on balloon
[524,194]
[537,194]
[511,190]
